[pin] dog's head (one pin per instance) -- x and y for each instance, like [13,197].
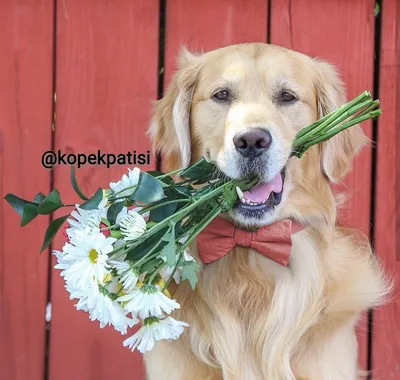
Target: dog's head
[242,107]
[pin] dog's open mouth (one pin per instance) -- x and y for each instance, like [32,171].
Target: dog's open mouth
[262,197]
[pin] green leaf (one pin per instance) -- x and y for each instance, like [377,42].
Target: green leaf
[205,179]
[16,203]
[75,185]
[113,211]
[168,180]
[184,190]
[189,269]
[52,230]
[150,265]
[39,197]
[155,173]
[160,213]
[50,203]
[229,197]
[168,253]
[29,213]
[94,201]
[163,212]
[149,189]
[140,250]
[199,169]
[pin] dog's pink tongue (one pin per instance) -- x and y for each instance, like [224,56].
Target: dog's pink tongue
[262,190]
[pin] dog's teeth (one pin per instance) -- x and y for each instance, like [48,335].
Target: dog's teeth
[239,192]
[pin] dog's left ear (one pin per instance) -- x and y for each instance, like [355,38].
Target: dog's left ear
[338,152]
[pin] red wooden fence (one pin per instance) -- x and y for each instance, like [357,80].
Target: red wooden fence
[103,61]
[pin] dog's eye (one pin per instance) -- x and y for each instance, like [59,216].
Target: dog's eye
[287,97]
[221,95]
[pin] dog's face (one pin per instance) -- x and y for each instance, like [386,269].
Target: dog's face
[241,107]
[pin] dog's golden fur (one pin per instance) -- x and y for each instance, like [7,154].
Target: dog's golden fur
[251,318]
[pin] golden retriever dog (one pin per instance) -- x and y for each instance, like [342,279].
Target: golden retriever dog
[251,318]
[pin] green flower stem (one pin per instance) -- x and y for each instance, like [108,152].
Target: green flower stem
[127,188]
[341,128]
[338,117]
[373,105]
[195,231]
[184,182]
[173,271]
[122,246]
[335,118]
[146,255]
[148,208]
[114,226]
[155,273]
[202,224]
[170,173]
[182,213]
[113,199]
[188,233]
[365,95]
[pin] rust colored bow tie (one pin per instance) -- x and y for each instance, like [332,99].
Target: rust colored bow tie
[273,241]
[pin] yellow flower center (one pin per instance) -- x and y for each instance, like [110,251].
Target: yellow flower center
[93,255]
[161,282]
[107,277]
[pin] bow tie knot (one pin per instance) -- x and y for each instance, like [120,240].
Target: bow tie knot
[243,238]
[273,241]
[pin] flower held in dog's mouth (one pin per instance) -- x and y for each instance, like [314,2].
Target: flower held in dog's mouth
[121,240]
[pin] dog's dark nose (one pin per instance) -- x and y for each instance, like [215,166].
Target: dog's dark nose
[253,142]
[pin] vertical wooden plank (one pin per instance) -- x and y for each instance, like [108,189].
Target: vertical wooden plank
[26,34]
[207,25]
[106,79]
[386,332]
[341,32]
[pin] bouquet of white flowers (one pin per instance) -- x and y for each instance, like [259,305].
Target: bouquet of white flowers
[124,245]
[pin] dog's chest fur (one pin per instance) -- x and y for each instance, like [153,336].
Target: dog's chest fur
[248,306]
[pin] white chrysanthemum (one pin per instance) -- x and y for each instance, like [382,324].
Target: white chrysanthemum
[84,219]
[92,219]
[87,254]
[153,330]
[166,271]
[109,312]
[61,263]
[148,301]
[132,226]
[128,276]
[101,306]
[125,186]
[82,295]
